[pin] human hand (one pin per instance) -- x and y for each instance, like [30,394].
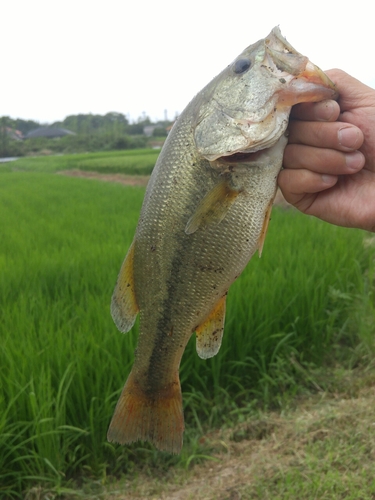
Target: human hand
[329,162]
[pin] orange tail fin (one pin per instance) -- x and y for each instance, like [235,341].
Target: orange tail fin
[157,418]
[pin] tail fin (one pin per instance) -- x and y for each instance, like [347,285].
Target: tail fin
[157,418]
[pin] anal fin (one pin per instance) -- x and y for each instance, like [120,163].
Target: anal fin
[213,207]
[210,333]
[124,307]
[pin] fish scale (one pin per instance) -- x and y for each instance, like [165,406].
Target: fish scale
[205,213]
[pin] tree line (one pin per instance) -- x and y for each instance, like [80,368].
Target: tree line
[92,133]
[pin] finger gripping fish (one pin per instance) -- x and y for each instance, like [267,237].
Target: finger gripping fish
[205,213]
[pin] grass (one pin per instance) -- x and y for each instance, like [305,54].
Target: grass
[55,284]
[307,304]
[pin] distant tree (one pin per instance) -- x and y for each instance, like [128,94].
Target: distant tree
[93,133]
[137,127]
[25,126]
[160,132]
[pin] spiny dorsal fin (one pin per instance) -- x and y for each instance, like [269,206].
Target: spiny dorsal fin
[209,334]
[124,307]
[213,207]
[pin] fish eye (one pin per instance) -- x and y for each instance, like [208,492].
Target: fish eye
[241,65]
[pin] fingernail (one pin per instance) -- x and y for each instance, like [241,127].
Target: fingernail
[349,137]
[354,161]
[325,110]
[329,179]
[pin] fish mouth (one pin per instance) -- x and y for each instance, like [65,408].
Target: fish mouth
[310,85]
[303,80]
[314,74]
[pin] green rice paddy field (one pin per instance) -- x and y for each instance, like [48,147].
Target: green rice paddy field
[305,307]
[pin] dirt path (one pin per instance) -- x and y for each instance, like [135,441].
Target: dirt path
[139,180]
[128,180]
[252,461]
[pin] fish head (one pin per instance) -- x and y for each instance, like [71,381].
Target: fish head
[246,107]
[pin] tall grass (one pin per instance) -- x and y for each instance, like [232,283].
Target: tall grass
[63,363]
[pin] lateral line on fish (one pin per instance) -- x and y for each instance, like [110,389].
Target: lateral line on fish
[164,326]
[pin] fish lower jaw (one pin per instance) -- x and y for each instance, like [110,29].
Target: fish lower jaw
[310,85]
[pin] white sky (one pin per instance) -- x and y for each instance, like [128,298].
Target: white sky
[134,56]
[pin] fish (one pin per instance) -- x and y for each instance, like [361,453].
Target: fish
[205,213]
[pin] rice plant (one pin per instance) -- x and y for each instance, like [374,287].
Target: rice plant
[63,363]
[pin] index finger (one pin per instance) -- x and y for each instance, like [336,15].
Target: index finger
[323,111]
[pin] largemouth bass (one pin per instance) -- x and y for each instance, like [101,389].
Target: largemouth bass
[205,213]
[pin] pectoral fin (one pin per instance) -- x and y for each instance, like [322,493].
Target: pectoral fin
[124,307]
[210,333]
[213,207]
[263,233]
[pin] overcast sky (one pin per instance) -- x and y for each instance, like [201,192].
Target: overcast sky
[135,57]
